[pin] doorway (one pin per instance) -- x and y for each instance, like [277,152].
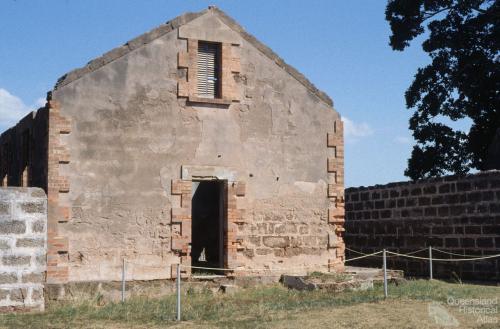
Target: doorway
[207,227]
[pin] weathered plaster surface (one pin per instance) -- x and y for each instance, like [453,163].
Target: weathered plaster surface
[131,135]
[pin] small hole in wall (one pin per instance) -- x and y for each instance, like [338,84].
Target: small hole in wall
[219,156]
[280,261]
[251,175]
[277,178]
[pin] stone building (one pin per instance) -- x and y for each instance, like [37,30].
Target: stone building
[193,143]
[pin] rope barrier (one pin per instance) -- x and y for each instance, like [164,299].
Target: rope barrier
[451,253]
[271,269]
[366,255]
[252,269]
[361,253]
[410,253]
[444,259]
[385,252]
[416,251]
[473,257]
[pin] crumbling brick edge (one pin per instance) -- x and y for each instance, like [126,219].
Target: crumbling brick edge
[58,214]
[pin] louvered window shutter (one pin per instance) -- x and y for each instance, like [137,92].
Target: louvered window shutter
[208,70]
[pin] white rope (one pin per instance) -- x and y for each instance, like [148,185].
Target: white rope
[410,253]
[451,253]
[253,269]
[361,253]
[444,259]
[350,259]
[276,269]
[271,269]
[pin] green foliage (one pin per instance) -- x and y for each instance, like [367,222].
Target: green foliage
[463,81]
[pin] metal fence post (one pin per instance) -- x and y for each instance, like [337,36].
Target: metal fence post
[385,275]
[430,262]
[178,292]
[123,280]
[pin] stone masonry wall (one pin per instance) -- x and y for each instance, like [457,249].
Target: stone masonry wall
[133,143]
[457,215]
[23,231]
[23,151]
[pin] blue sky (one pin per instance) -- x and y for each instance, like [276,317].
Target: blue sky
[341,46]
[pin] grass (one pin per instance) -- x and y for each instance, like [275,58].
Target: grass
[329,277]
[264,307]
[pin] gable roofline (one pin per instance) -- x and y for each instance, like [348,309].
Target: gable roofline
[177,22]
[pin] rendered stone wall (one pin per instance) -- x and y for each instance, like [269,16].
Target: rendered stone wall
[23,231]
[120,131]
[457,215]
[131,133]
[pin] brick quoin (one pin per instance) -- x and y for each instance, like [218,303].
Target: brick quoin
[58,155]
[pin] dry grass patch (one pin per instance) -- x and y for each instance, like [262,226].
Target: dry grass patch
[270,307]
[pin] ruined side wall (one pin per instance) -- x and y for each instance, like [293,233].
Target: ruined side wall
[23,152]
[23,231]
[457,215]
[131,134]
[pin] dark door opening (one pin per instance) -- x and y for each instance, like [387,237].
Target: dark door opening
[207,229]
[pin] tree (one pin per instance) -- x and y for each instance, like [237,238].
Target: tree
[462,81]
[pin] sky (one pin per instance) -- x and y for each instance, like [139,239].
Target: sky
[340,46]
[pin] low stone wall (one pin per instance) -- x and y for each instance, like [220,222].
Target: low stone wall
[457,215]
[103,292]
[23,231]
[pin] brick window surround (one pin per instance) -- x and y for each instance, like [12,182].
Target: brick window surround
[187,62]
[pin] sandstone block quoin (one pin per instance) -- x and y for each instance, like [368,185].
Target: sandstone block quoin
[16,260]
[12,227]
[8,278]
[38,226]
[30,242]
[22,244]
[33,207]
[4,208]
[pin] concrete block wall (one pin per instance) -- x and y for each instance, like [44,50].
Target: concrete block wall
[23,231]
[457,215]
